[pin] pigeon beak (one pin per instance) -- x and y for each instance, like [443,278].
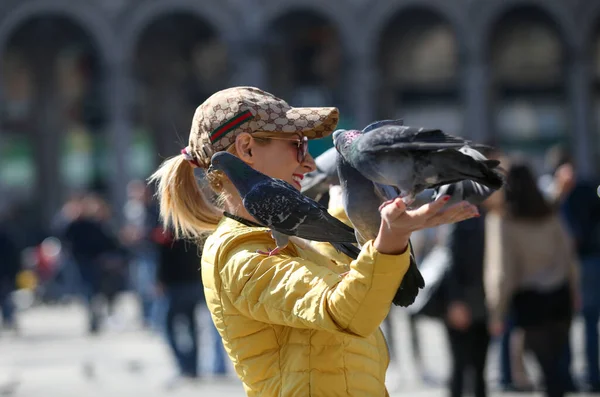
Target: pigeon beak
[336,134]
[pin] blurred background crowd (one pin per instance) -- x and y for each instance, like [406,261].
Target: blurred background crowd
[95,94]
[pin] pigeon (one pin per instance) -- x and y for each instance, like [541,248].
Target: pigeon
[317,182]
[467,190]
[276,204]
[413,159]
[362,200]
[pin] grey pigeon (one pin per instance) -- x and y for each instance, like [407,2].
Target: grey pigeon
[282,208]
[317,182]
[413,159]
[362,200]
[467,190]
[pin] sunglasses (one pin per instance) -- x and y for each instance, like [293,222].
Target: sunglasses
[302,144]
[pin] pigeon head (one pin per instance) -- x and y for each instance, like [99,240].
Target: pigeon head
[342,139]
[239,173]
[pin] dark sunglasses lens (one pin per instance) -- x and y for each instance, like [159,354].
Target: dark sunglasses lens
[302,149]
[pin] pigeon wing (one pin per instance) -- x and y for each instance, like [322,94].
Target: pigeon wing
[392,137]
[281,207]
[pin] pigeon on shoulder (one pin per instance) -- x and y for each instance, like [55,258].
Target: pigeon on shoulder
[276,204]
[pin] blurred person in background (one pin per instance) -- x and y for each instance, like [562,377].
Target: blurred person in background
[10,264]
[141,221]
[531,268]
[466,313]
[67,278]
[579,205]
[99,257]
[179,282]
[463,292]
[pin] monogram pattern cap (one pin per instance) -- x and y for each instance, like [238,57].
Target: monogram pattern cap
[230,112]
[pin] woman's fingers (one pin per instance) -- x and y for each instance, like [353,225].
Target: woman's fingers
[457,213]
[431,209]
[392,209]
[395,214]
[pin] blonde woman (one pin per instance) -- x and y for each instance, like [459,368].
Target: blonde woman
[290,323]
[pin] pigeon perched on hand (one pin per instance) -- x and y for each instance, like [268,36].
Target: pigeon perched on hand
[413,159]
[282,208]
[361,202]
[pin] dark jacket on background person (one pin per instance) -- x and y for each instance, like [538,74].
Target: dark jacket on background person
[179,263]
[464,280]
[88,240]
[10,262]
[581,211]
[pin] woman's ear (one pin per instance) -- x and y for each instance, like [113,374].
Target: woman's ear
[243,146]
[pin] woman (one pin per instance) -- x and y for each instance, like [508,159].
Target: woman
[289,322]
[531,269]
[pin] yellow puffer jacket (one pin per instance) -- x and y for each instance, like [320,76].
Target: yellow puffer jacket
[290,323]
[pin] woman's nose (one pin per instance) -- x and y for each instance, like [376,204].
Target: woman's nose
[309,163]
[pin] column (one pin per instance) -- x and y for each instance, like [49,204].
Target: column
[248,62]
[579,96]
[48,124]
[477,86]
[119,94]
[362,87]
[248,50]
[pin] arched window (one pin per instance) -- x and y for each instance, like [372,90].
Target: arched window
[305,66]
[596,93]
[527,63]
[179,62]
[419,64]
[54,118]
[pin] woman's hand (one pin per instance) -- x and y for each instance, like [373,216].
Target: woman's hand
[397,223]
[458,315]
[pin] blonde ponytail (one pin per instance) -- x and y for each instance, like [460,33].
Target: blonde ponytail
[183,205]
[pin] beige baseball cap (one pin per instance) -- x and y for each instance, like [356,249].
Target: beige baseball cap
[230,112]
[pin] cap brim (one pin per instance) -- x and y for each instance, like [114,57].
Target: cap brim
[313,123]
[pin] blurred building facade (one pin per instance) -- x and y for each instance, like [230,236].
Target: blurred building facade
[94,93]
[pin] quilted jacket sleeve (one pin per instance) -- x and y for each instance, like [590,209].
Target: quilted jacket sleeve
[292,291]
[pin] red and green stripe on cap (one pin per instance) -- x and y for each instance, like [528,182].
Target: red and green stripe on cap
[230,125]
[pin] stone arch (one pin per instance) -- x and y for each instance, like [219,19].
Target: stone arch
[141,15]
[85,106]
[419,66]
[87,16]
[487,17]
[342,18]
[527,49]
[384,12]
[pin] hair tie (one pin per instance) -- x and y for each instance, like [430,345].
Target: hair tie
[188,156]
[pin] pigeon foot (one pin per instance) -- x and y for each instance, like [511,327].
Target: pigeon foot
[408,199]
[272,252]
